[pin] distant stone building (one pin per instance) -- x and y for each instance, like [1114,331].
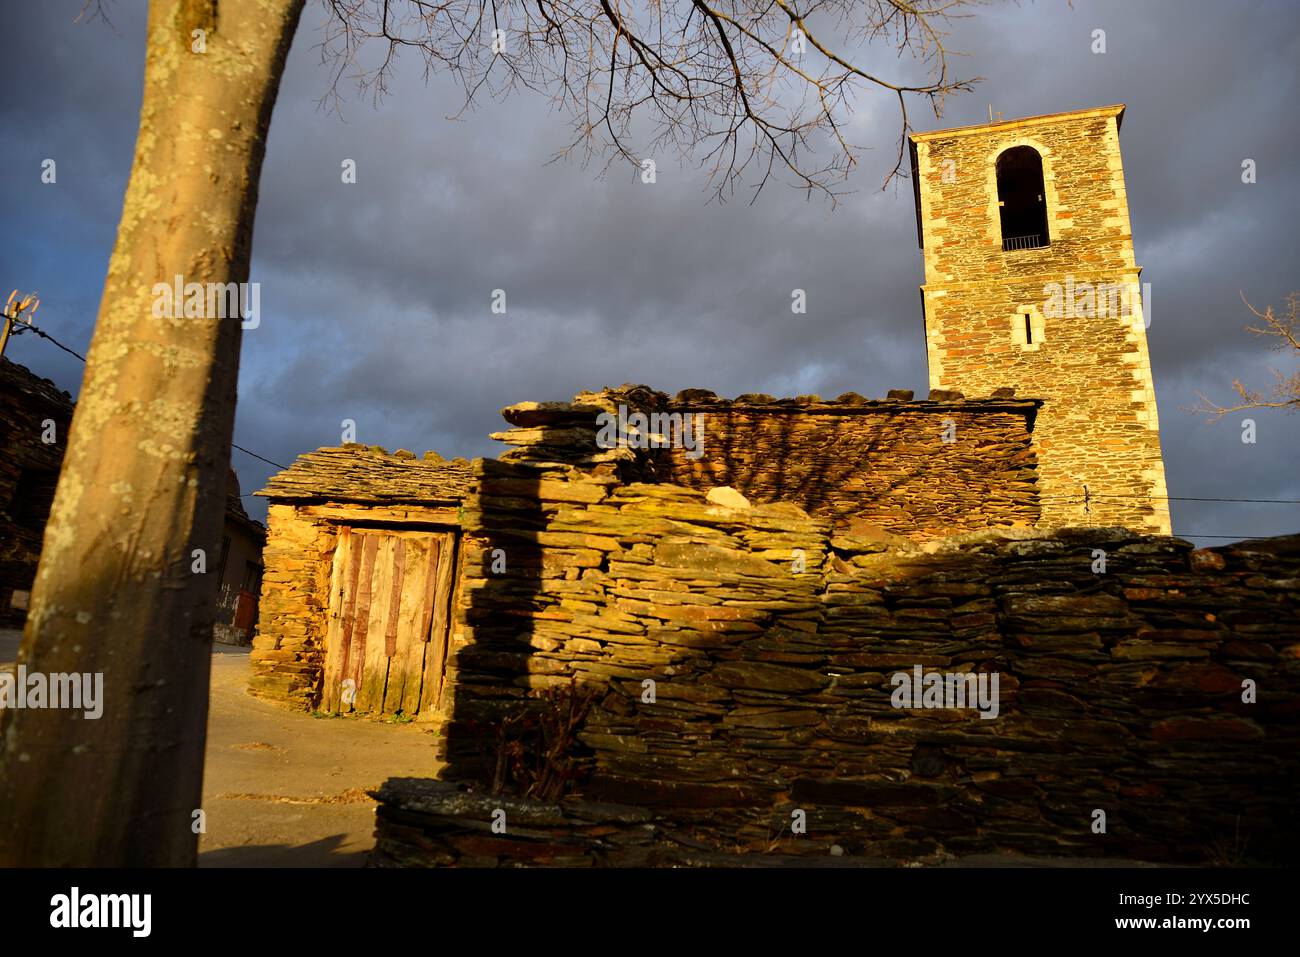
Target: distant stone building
[239,570]
[1031,282]
[35,417]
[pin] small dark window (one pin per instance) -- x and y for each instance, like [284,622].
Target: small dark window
[1029,331]
[1022,200]
[221,564]
[252,577]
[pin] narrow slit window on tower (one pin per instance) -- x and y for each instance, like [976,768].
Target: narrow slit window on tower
[1022,199]
[1029,331]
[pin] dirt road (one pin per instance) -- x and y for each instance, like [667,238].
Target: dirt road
[284,789]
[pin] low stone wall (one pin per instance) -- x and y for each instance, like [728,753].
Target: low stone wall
[770,641]
[421,822]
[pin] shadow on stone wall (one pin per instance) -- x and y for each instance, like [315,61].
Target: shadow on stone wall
[1122,692]
[489,677]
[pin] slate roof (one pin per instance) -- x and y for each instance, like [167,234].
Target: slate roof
[359,473]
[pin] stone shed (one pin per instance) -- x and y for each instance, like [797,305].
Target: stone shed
[360,563]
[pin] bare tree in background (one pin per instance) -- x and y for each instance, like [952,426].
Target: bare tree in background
[1285,330]
[752,87]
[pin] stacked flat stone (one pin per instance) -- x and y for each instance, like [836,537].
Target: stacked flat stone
[362,473]
[918,468]
[565,433]
[424,823]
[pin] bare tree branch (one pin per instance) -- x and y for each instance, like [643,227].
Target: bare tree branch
[751,87]
[1286,388]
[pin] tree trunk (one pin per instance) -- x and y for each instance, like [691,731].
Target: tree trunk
[144,480]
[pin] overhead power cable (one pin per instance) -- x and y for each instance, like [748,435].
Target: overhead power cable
[24,327]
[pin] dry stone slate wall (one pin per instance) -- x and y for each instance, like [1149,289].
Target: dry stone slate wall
[771,638]
[916,468]
[744,655]
[882,467]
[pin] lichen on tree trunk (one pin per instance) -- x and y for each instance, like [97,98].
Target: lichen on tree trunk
[143,482]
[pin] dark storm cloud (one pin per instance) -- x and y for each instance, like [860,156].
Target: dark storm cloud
[376,295]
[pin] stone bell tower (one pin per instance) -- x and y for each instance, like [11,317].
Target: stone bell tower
[1030,282]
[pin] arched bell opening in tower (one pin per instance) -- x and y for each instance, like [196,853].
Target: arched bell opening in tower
[1022,200]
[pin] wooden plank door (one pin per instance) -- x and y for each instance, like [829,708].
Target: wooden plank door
[343,591]
[441,591]
[390,595]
